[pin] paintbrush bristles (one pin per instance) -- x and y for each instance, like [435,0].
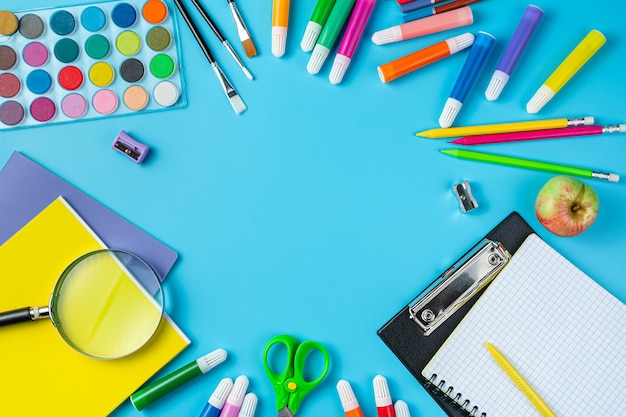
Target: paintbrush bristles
[248,47]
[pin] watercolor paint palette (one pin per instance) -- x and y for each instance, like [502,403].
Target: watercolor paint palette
[90,61]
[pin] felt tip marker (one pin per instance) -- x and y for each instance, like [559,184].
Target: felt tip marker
[159,388]
[483,43]
[316,23]
[420,14]
[384,405]
[214,406]
[248,407]
[402,409]
[348,400]
[325,42]
[566,70]
[531,17]
[351,38]
[235,398]
[429,25]
[411,62]
[280,24]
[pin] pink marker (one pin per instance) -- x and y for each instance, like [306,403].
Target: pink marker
[351,38]
[235,398]
[432,24]
[384,405]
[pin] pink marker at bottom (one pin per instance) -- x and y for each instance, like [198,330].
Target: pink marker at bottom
[351,38]
[235,398]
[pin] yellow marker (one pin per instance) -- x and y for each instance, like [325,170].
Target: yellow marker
[521,383]
[280,23]
[450,132]
[570,66]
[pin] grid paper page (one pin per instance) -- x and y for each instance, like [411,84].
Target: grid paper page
[562,331]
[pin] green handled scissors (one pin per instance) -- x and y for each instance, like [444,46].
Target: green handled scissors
[290,385]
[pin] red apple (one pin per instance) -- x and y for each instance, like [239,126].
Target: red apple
[566,206]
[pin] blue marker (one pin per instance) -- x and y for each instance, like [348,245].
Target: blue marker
[417,4]
[514,49]
[213,407]
[483,43]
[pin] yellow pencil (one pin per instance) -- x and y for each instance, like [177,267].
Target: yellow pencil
[521,383]
[505,127]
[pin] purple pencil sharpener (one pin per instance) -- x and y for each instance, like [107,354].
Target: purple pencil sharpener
[130,147]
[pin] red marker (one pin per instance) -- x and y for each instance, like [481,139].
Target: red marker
[384,405]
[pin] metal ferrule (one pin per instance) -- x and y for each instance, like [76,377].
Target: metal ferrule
[232,53]
[600,175]
[611,129]
[576,122]
[226,85]
[241,26]
[37,313]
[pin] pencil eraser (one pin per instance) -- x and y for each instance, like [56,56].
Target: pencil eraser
[613,177]
[133,149]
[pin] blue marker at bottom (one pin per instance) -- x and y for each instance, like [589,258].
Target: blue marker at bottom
[483,43]
[214,406]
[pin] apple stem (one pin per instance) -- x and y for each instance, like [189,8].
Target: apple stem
[578,197]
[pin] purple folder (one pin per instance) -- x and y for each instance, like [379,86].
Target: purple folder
[27,188]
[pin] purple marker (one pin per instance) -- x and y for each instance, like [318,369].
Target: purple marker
[516,46]
[351,37]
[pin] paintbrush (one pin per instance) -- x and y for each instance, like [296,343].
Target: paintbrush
[235,101]
[221,37]
[242,30]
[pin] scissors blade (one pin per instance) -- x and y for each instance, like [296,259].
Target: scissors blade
[285,412]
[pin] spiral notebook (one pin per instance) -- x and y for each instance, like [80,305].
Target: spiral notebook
[562,331]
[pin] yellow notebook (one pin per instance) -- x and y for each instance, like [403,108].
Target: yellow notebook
[40,373]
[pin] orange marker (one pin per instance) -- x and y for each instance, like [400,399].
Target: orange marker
[280,23]
[348,399]
[411,62]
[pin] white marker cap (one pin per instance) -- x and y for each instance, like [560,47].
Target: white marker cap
[279,40]
[381,391]
[339,68]
[541,97]
[318,57]
[402,409]
[346,395]
[211,360]
[450,111]
[218,398]
[248,407]
[239,391]
[496,85]
[393,34]
[311,34]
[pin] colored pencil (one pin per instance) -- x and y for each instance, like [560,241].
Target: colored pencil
[420,14]
[505,127]
[539,134]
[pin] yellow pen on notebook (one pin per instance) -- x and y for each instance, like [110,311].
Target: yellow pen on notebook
[570,66]
[280,23]
[521,383]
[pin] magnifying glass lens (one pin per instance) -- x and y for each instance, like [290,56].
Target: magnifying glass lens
[101,306]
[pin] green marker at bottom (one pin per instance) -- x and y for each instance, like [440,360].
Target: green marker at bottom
[529,164]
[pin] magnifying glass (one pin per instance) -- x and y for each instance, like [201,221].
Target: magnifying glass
[106,304]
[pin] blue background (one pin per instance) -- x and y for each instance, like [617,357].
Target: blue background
[317,212]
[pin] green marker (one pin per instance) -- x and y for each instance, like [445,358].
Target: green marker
[157,389]
[529,164]
[338,16]
[316,23]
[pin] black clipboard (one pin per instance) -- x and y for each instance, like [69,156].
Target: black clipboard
[414,349]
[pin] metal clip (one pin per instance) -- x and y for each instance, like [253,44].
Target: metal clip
[130,147]
[463,192]
[458,284]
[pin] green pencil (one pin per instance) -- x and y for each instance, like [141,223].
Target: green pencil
[529,164]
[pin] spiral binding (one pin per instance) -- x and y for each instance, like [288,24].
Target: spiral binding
[448,396]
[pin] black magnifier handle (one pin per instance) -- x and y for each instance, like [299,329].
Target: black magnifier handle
[23,314]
